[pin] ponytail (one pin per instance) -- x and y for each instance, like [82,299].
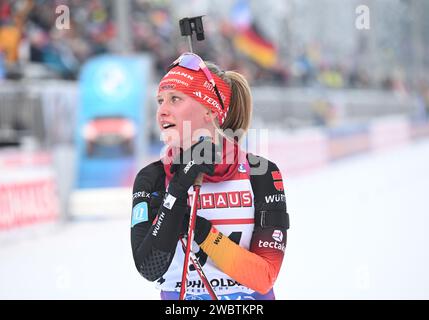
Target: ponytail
[240,108]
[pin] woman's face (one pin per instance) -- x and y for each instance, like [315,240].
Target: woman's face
[181,119]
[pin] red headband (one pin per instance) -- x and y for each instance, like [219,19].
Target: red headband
[195,85]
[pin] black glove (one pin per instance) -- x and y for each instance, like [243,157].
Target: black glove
[155,202]
[202,228]
[200,158]
[167,226]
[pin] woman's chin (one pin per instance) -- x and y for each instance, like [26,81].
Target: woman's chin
[170,143]
[169,139]
[174,141]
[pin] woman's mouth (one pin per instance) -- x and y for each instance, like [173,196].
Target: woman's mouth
[167,125]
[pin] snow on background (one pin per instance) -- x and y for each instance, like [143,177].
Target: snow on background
[358,231]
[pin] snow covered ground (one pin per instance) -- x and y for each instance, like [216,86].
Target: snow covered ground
[358,231]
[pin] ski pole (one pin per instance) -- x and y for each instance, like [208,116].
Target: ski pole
[200,271]
[190,238]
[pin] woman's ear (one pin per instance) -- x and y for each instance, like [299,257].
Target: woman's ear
[209,116]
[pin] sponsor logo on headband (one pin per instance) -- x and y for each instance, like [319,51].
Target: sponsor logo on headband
[209,86]
[181,73]
[209,100]
[167,87]
[176,81]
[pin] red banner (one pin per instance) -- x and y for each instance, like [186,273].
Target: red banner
[26,203]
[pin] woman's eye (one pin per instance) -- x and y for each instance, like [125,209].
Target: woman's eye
[160,101]
[175,99]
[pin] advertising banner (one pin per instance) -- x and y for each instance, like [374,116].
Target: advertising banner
[110,126]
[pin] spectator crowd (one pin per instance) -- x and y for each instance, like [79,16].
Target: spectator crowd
[31,44]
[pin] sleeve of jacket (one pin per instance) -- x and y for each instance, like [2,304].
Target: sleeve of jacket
[258,267]
[151,260]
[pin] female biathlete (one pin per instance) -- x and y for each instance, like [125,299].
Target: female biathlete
[240,232]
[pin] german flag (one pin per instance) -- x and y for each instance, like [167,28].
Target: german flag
[252,44]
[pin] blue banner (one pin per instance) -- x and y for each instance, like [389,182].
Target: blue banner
[113,91]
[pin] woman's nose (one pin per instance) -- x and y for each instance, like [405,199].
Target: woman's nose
[164,109]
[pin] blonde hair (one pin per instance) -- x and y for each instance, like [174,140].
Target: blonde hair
[240,107]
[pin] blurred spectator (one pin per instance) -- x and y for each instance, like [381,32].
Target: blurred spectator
[154,29]
[64,51]
[12,22]
[331,77]
[324,112]
[422,112]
